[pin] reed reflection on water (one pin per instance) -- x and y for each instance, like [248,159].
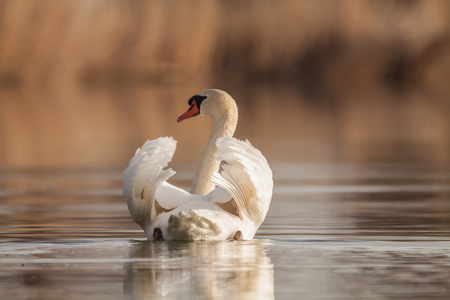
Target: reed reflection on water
[352,180]
[334,226]
[104,128]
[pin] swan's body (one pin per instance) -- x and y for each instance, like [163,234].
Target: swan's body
[226,205]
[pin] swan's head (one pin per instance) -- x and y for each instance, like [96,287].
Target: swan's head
[213,102]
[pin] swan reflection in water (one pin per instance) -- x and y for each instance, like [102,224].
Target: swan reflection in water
[199,270]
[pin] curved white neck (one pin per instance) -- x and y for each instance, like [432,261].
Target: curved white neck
[224,125]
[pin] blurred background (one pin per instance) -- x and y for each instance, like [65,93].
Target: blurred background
[84,83]
[349,101]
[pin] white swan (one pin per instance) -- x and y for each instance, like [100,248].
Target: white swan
[222,205]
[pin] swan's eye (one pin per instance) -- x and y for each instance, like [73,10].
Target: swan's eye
[198,99]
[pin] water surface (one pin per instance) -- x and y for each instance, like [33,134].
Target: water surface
[339,231]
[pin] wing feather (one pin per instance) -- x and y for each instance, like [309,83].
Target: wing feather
[246,175]
[144,174]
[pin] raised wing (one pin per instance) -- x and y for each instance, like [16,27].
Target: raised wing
[246,176]
[144,175]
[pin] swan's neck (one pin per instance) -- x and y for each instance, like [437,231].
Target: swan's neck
[224,125]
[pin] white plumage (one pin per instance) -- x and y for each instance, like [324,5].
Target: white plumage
[237,204]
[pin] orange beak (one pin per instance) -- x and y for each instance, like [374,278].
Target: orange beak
[191,112]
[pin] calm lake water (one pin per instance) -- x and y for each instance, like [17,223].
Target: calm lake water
[335,231]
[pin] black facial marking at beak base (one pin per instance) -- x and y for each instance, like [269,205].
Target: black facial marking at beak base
[198,99]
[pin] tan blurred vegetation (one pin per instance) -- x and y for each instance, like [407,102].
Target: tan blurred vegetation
[83,83]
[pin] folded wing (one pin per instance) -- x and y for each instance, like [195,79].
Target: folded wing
[246,176]
[143,177]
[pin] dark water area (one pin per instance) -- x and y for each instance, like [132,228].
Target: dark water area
[334,230]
